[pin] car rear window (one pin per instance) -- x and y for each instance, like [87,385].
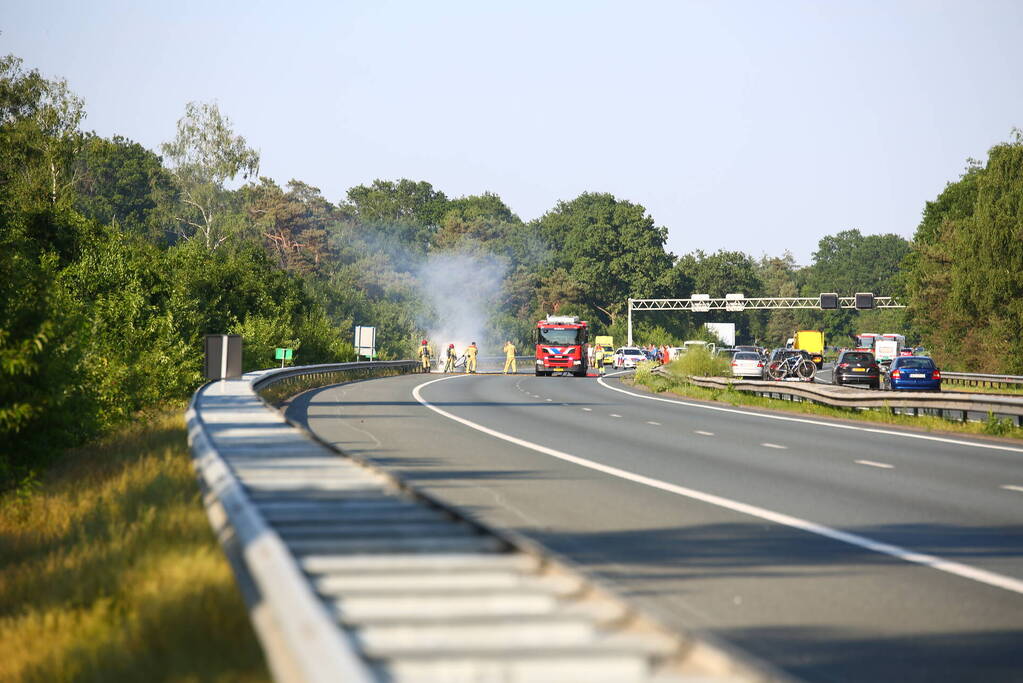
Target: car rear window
[858,358]
[746,355]
[923,363]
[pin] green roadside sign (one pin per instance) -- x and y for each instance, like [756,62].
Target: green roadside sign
[283,354]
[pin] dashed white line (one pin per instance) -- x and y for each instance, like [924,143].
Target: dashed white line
[588,410]
[803,420]
[773,445]
[1011,487]
[615,415]
[871,463]
[933,561]
[651,422]
[549,400]
[703,433]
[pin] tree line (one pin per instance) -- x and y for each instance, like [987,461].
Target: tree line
[116,260]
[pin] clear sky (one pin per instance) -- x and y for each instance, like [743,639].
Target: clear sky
[758,126]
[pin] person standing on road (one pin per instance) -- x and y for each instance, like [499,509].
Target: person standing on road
[470,359]
[509,357]
[598,358]
[424,357]
[589,355]
[449,362]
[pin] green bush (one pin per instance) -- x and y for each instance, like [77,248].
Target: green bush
[698,362]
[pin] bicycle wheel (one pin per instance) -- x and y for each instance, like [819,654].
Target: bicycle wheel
[776,370]
[806,370]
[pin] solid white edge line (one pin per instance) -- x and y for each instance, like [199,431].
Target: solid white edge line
[803,420]
[956,568]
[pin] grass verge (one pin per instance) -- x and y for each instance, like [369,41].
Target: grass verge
[659,384]
[1012,390]
[109,570]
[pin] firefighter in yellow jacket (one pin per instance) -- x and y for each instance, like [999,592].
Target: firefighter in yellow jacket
[424,357]
[598,358]
[449,362]
[470,359]
[509,357]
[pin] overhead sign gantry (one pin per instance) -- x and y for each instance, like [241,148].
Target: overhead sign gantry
[703,303]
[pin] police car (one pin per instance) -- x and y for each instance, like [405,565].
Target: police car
[628,357]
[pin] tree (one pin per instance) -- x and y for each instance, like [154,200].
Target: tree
[405,213]
[611,248]
[204,155]
[965,275]
[122,182]
[850,262]
[292,224]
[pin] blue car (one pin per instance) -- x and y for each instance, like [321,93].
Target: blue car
[913,372]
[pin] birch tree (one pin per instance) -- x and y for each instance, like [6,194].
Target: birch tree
[205,154]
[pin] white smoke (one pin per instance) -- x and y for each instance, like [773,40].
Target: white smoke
[462,288]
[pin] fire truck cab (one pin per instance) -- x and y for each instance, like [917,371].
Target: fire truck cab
[561,345]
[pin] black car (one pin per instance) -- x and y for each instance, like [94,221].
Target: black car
[857,367]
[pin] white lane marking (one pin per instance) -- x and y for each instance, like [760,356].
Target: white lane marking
[773,445]
[588,410]
[871,463]
[803,420]
[703,433]
[1010,487]
[934,562]
[615,415]
[651,422]
[549,400]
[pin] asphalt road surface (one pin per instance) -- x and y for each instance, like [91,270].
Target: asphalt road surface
[836,551]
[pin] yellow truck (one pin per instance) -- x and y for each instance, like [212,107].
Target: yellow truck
[812,342]
[608,344]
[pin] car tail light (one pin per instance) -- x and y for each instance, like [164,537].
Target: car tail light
[734,364]
[760,365]
[843,365]
[936,374]
[896,374]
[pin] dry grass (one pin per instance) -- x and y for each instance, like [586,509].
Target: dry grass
[657,383]
[1010,389]
[109,570]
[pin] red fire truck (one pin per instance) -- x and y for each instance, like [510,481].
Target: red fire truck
[561,346]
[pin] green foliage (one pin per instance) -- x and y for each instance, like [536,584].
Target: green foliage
[965,276]
[122,182]
[204,155]
[698,362]
[851,262]
[610,248]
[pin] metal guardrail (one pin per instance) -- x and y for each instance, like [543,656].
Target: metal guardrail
[981,380]
[351,576]
[846,397]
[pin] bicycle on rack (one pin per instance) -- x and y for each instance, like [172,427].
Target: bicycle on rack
[793,366]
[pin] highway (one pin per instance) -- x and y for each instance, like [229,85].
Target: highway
[835,551]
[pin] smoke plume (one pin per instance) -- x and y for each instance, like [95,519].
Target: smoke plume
[462,289]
